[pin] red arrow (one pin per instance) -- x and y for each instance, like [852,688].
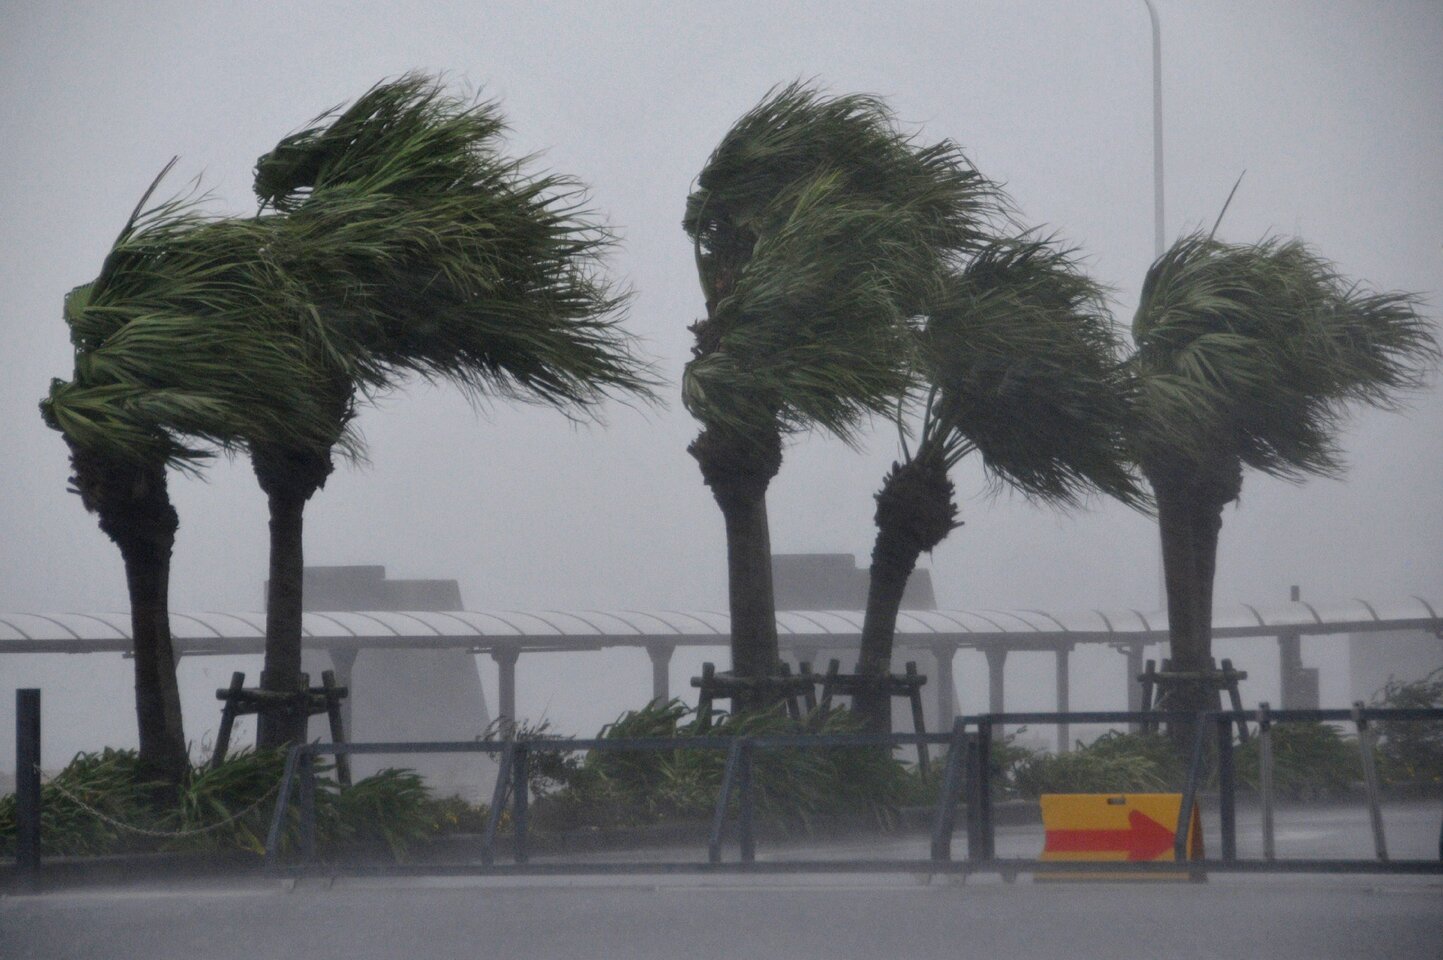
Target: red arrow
[1144,839]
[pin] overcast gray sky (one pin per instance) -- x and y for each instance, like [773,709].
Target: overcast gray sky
[1331,107]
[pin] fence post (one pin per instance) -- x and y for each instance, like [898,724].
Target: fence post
[970,785]
[498,803]
[985,734]
[744,823]
[945,819]
[1227,787]
[27,786]
[1370,780]
[278,816]
[1189,793]
[724,793]
[308,806]
[519,800]
[1265,777]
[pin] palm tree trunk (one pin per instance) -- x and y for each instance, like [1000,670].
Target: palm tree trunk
[135,512]
[163,751]
[289,479]
[738,470]
[1189,512]
[915,512]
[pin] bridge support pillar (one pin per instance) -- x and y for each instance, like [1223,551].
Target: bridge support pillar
[946,654]
[996,703]
[506,658]
[660,654]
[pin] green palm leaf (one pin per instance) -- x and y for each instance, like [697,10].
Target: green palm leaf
[1256,351]
[1022,365]
[819,227]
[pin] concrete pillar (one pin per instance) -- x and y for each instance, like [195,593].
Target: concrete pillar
[996,658]
[1064,730]
[660,654]
[946,681]
[506,658]
[1290,669]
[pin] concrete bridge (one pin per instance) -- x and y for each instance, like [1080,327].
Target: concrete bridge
[805,636]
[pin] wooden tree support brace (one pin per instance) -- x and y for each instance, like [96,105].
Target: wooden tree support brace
[242,701]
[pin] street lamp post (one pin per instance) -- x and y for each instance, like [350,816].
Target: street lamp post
[1157,221]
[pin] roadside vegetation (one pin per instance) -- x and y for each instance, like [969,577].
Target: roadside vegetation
[101,803]
[796,790]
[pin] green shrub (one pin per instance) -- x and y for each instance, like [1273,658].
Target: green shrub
[792,786]
[1113,763]
[225,808]
[1411,751]
[1310,761]
[109,782]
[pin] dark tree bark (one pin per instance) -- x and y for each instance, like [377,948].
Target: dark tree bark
[1189,513]
[915,512]
[739,469]
[289,478]
[133,505]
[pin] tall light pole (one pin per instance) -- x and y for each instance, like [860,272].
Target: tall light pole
[1157,221]
[1158,240]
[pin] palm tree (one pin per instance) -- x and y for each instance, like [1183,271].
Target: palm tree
[427,251]
[818,227]
[178,340]
[1249,355]
[1019,364]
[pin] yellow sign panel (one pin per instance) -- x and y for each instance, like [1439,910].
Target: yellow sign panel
[1129,827]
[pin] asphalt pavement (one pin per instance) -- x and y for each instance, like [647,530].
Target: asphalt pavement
[867,917]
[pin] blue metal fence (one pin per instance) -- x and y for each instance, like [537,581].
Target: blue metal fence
[966,782]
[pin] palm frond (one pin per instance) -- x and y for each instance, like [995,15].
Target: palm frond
[1257,352]
[818,228]
[444,258]
[1024,369]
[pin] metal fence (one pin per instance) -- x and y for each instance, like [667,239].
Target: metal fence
[966,782]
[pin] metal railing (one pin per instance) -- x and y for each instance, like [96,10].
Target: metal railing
[967,781]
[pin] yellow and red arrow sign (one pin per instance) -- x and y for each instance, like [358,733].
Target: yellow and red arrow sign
[1143,839]
[1129,827]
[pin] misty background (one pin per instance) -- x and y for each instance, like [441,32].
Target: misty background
[1331,107]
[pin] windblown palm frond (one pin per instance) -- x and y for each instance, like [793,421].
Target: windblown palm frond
[402,136]
[187,335]
[819,227]
[434,254]
[1022,366]
[1255,351]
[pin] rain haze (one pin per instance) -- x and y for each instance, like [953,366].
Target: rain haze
[1331,108]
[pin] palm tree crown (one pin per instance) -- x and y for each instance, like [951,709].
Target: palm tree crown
[818,227]
[1254,352]
[1021,365]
